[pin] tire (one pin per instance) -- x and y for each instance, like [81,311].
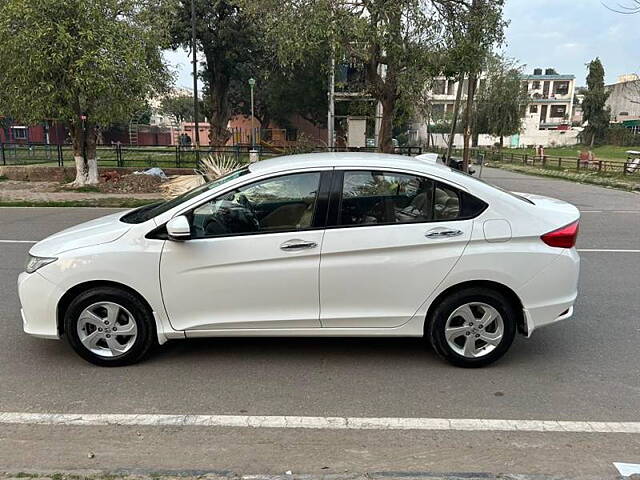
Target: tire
[453,309]
[91,310]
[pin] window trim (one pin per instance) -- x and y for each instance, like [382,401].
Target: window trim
[337,187]
[320,200]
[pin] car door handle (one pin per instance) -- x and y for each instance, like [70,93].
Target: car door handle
[297,245]
[443,233]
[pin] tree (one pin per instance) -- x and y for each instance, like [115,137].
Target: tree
[502,99]
[595,114]
[180,107]
[476,27]
[282,91]
[229,41]
[394,41]
[81,62]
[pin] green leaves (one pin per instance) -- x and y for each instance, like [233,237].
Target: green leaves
[593,105]
[63,58]
[502,99]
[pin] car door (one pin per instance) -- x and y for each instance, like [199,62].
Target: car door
[253,257]
[391,239]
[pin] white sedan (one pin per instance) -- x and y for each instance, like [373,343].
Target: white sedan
[348,244]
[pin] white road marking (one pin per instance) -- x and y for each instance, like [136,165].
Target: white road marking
[612,250]
[322,423]
[18,241]
[609,211]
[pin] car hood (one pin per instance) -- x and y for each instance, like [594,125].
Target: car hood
[95,232]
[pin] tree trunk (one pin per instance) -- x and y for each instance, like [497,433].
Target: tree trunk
[454,120]
[386,124]
[219,110]
[387,95]
[83,137]
[92,161]
[471,90]
[501,141]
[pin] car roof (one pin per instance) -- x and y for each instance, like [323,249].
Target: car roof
[380,161]
[345,159]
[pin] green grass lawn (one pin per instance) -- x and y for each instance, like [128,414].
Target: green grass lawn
[604,152]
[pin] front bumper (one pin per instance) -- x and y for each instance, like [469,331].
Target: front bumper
[39,300]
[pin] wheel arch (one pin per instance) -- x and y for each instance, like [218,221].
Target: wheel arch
[511,296]
[70,294]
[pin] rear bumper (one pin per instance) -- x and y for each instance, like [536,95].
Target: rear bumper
[537,319]
[549,297]
[38,299]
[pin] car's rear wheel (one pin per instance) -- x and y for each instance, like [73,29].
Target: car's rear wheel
[473,327]
[109,327]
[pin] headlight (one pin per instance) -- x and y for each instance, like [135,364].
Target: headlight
[34,263]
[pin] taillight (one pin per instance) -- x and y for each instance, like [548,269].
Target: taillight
[564,237]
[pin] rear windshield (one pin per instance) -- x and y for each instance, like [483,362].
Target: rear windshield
[514,195]
[147,212]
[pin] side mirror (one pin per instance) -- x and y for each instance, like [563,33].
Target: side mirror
[179,228]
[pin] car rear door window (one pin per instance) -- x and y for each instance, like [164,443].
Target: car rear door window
[377,198]
[285,203]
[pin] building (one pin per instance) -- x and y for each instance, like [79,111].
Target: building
[551,100]
[19,133]
[624,99]
[547,120]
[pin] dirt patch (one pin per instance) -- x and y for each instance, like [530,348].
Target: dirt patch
[113,182]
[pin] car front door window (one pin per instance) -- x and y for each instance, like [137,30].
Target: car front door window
[285,203]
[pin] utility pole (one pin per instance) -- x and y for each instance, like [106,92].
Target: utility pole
[475,11]
[195,74]
[331,113]
[454,120]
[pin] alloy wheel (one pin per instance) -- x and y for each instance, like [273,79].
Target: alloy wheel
[474,329]
[107,329]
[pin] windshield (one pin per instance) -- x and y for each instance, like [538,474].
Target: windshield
[147,212]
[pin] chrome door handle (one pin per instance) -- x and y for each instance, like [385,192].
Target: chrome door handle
[443,233]
[297,245]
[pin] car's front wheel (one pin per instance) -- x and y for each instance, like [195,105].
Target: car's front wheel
[473,327]
[109,327]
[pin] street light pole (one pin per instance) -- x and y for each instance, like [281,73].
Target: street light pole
[195,74]
[253,153]
[252,83]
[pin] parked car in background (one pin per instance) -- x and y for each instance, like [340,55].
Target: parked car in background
[342,244]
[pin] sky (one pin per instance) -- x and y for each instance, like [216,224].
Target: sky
[560,34]
[567,34]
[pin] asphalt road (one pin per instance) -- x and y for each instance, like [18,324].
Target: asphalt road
[584,369]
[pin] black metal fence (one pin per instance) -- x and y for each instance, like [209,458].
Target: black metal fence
[173,156]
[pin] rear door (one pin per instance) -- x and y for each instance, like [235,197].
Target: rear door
[392,238]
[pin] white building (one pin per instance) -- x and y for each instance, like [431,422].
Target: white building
[160,119]
[624,99]
[547,120]
[551,97]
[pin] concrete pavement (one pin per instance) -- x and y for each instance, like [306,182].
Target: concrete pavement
[585,369]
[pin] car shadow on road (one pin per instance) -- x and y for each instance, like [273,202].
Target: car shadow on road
[305,351]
